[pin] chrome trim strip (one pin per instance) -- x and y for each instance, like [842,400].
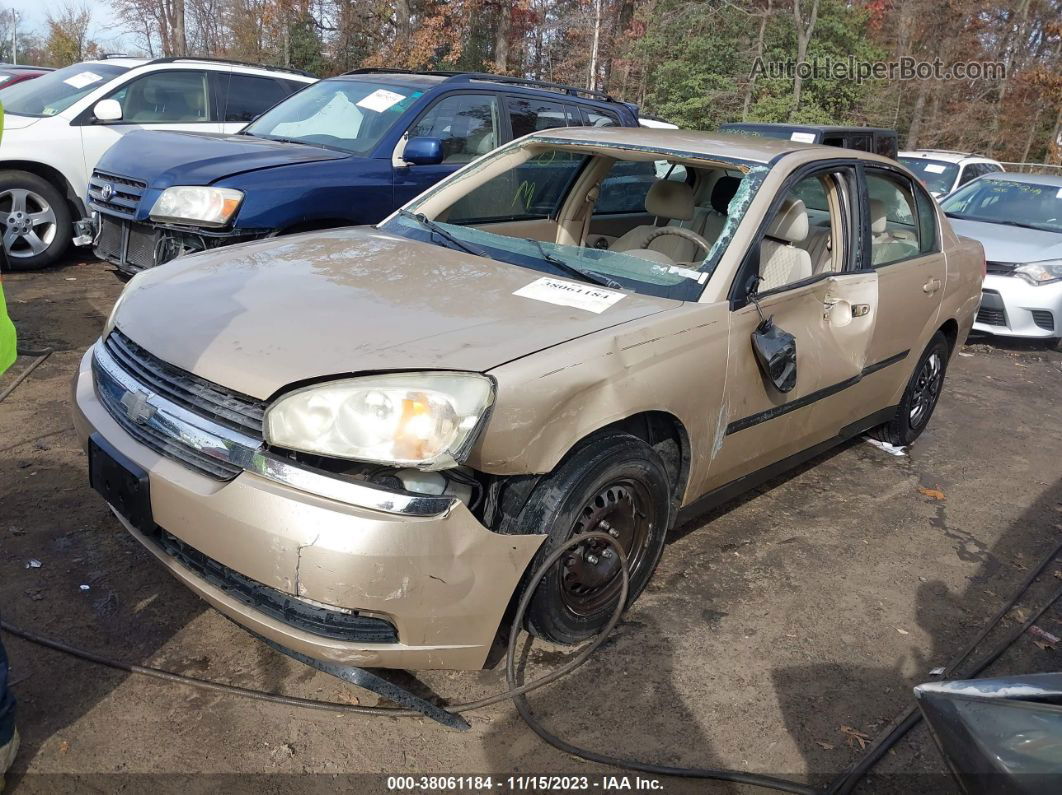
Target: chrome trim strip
[228,446]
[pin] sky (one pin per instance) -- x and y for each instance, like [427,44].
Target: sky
[106,27]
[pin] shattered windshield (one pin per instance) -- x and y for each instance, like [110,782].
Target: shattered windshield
[657,226]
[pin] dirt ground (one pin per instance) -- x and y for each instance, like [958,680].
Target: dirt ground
[776,631]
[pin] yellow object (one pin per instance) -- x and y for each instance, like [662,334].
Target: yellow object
[8,342]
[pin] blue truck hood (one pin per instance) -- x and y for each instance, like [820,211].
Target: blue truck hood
[164,158]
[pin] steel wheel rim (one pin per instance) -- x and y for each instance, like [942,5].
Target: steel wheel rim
[590,577]
[28,222]
[926,389]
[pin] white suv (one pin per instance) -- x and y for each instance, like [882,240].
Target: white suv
[57,126]
[943,171]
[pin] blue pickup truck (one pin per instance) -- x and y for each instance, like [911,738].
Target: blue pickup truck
[347,150]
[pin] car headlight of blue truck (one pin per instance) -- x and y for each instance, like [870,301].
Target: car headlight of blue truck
[197,204]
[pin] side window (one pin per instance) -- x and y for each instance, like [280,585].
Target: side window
[860,141]
[969,172]
[467,124]
[991,168]
[594,117]
[928,239]
[893,230]
[533,190]
[627,183]
[241,98]
[531,115]
[805,236]
[174,97]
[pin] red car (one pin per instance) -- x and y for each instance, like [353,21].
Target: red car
[11,74]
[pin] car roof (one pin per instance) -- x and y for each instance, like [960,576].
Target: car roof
[692,143]
[752,125]
[1054,180]
[947,155]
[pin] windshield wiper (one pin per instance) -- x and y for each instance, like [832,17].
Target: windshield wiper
[435,229]
[1000,221]
[571,270]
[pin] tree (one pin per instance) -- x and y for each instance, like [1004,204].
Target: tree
[68,39]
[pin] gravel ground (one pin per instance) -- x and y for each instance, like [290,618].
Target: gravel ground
[778,632]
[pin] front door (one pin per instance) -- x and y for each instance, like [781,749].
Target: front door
[809,288]
[177,99]
[467,125]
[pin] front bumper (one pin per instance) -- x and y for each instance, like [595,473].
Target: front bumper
[443,582]
[1012,307]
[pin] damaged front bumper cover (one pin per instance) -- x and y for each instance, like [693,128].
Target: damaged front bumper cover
[424,564]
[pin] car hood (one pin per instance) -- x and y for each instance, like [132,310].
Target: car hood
[276,312]
[165,158]
[12,121]
[1011,243]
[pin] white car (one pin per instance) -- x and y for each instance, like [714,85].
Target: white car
[1018,220]
[57,126]
[942,171]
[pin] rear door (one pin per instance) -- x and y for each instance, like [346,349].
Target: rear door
[903,248]
[468,124]
[164,99]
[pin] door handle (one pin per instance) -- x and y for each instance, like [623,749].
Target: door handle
[860,310]
[931,286]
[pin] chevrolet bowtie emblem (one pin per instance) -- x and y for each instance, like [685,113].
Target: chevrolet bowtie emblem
[107,191]
[137,408]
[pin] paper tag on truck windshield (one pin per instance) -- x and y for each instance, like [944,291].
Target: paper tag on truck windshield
[803,138]
[380,100]
[82,79]
[574,294]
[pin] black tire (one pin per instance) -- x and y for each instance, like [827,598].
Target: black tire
[34,245]
[606,483]
[920,397]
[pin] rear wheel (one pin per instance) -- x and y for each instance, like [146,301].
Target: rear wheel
[34,220]
[616,484]
[920,398]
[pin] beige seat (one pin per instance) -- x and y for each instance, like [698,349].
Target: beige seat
[886,246]
[715,219]
[673,201]
[782,261]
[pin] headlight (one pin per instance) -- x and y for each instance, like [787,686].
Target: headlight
[427,420]
[1050,270]
[206,206]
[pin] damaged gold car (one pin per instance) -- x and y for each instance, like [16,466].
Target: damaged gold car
[357,442]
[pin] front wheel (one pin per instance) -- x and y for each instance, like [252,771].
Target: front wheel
[920,397]
[34,220]
[617,484]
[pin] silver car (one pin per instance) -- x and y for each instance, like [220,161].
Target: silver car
[1018,220]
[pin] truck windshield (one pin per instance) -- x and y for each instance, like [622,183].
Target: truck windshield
[349,115]
[937,175]
[56,91]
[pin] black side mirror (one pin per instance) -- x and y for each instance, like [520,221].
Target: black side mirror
[776,354]
[423,151]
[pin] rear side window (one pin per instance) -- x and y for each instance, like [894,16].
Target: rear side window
[594,117]
[242,98]
[531,115]
[894,231]
[627,183]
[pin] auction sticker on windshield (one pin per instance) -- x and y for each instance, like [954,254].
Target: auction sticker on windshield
[380,100]
[82,79]
[573,294]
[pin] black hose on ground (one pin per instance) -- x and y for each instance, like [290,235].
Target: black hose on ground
[516,691]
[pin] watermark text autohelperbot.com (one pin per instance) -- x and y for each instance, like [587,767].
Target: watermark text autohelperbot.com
[905,68]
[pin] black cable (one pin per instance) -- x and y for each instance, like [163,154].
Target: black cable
[842,784]
[911,717]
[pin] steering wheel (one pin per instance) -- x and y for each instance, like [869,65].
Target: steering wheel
[678,231]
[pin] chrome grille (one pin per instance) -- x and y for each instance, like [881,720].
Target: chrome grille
[204,398]
[125,196]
